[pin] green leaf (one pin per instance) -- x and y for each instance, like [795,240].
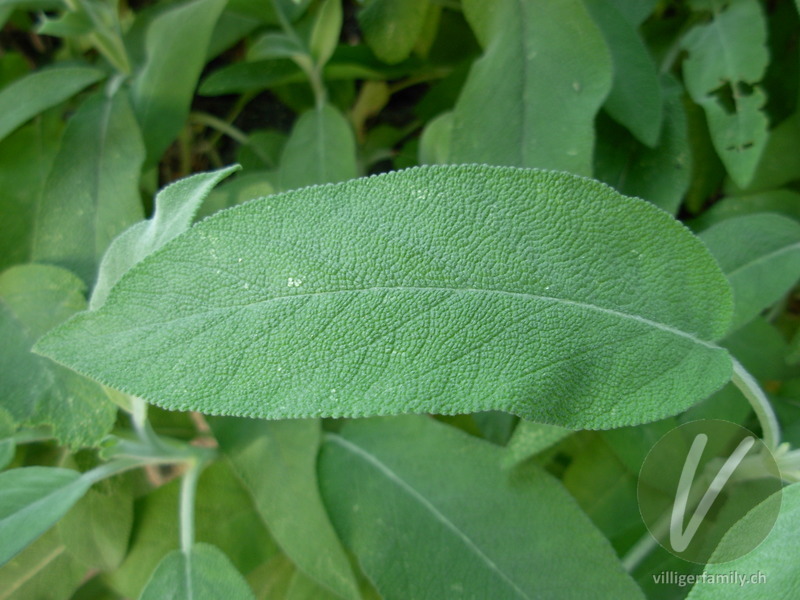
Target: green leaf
[434,144]
[43,571]
[727,57]
[204,573]
[25,160]
[325,32]
[97,529]
[446,289]
[661,174]
[224,517]
[635,97]
[762,264]
[531,99]
[529,439]
[320,149]
[783,202]
[34,93]
[277,462]
[773,564]
[175,208]
[163,88]
[33,499]
[92,191]
[391,29]
[393,485]
[780,161]
[36,391]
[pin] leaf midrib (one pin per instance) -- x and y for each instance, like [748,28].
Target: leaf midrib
[574,303]
[428,505]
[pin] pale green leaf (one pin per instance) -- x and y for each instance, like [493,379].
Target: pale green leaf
[325,31]
[277,462]
[392,28]
[635,97]
[43,571]
[394,485]
[30,95]
[274,45]
[531,99]
[33,499]
[163,88]
[204,573]
[304,588]
[92,191]
[445,289]
[760,254]
[175,207]
[780,161]
[783,202]
[773,564]
[37,391]
[434,143]
[726,56]
[661,174]
[320,149]
[25,160]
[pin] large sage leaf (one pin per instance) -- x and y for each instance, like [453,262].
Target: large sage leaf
[444,289]
[532,98]
[393,485]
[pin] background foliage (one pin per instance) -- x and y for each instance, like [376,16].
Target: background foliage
[692,106]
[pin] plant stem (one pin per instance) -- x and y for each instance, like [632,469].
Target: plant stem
[760,403]
[188,494]
[222,126]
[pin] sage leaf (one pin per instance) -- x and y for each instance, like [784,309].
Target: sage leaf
[392,485]
[30,95]
[33,499]
[762,266]
[320,149]
[175,208]
[204,573]
[162,90]
[447,289]
[531,99]
[37,391]
[773,563]
[392,28]
[277,462]
[76,221]
[727,57]
[529,439]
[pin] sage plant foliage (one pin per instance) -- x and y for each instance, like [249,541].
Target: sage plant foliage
[364,299]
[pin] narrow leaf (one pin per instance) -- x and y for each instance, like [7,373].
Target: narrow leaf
[163,89]
[320,149]
[204,573]
[92,191]
[392,486]
[444,289]
[635,97]
[325,32]
[37,391]
[33,499]
[30,95]
[277,462]
[175,208]
[531,99]
[762,264]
